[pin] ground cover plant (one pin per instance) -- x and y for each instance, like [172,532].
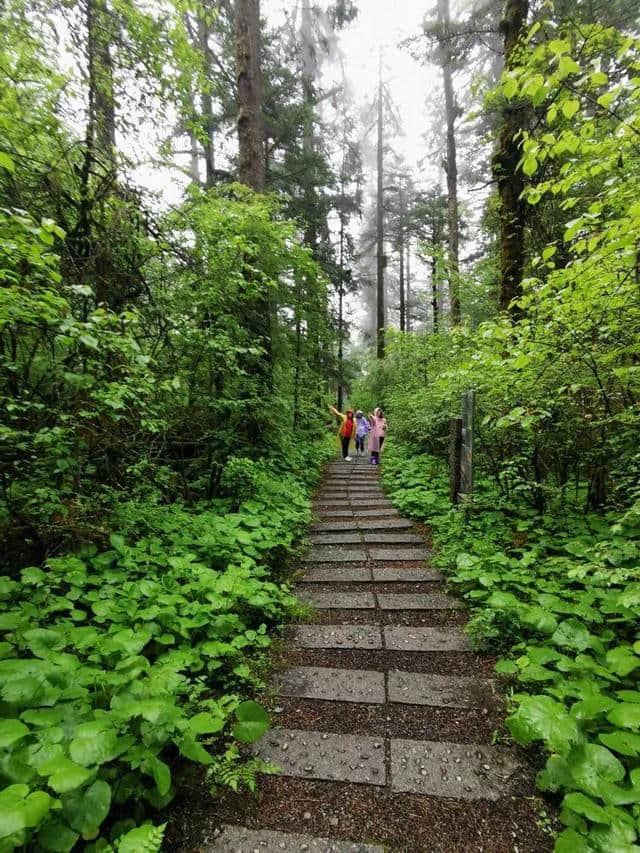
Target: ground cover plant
[558,596]
[117,662]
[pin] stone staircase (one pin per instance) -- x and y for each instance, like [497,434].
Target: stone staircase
[385,717]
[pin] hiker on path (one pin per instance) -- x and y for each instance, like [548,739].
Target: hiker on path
[378,433]
[363,428]
[347,430]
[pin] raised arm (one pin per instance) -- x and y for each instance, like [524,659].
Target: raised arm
[336,412]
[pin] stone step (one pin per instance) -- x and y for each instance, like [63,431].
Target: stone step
[431,768]
[418,601]
[336,574]
[239,839]
[403,639]
[331,526]
[440,769]
[391,574]
[319,755]
[375,687]
[328,522]
[379,513]
[333,685]
[338,636]
[336,539]
[354,498]
[398,555]
[439,691]
[392,538]
[338,600]
[329,512]
[362,574]
[327,554]
[396,523]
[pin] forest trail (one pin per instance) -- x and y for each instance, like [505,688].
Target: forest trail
[385,717]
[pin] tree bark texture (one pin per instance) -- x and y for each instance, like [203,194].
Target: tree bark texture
[451,111]
[401,259]
[251,170]
[204,33]
[407,307]
[101,96]
[505,169]
[380,295]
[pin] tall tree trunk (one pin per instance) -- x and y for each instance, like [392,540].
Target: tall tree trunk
[194,168]
[505,169]
[93,260]
[204,33]
[341,308]
[407,308]
[380,300]
[298,355]
[101,97]
[249,87]
[401,255]
[308,141]
[251,171]
[451,112]
[434,273]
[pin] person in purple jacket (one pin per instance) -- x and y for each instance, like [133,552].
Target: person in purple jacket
[363,428]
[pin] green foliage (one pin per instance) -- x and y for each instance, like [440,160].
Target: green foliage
[116,662]
[560,595]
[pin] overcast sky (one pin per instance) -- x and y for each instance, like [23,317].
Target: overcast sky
[383,24]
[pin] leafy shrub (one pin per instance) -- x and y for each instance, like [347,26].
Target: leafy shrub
[563,592]
[115,663]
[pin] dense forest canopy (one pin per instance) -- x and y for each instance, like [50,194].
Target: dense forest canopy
[206,235]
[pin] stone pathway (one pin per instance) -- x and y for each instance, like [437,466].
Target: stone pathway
[384,717]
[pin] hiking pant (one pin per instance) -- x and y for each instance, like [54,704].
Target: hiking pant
[360,443]
[345,439]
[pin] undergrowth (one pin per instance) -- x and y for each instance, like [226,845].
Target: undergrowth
[558,595]
[115,664]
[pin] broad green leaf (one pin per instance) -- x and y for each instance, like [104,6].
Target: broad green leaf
[94,745]
[205,723]
[591,707]
[570,108]
[622,660]
[555,776]
[591,765]
[616,838]
[509,87]
[542,718]
[64,775]
[567,66]
[253,722]
[160,772]
[23,692]
[57,837]
[6,162]
[572,634]
[190,748]
[11,731]
[626,715]
[570,841]
[585,806]
[87,808]
[626,743]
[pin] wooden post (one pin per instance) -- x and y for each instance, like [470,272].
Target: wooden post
[466,455]
[455,449]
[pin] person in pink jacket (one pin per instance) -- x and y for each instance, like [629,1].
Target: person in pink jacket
[378,432]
